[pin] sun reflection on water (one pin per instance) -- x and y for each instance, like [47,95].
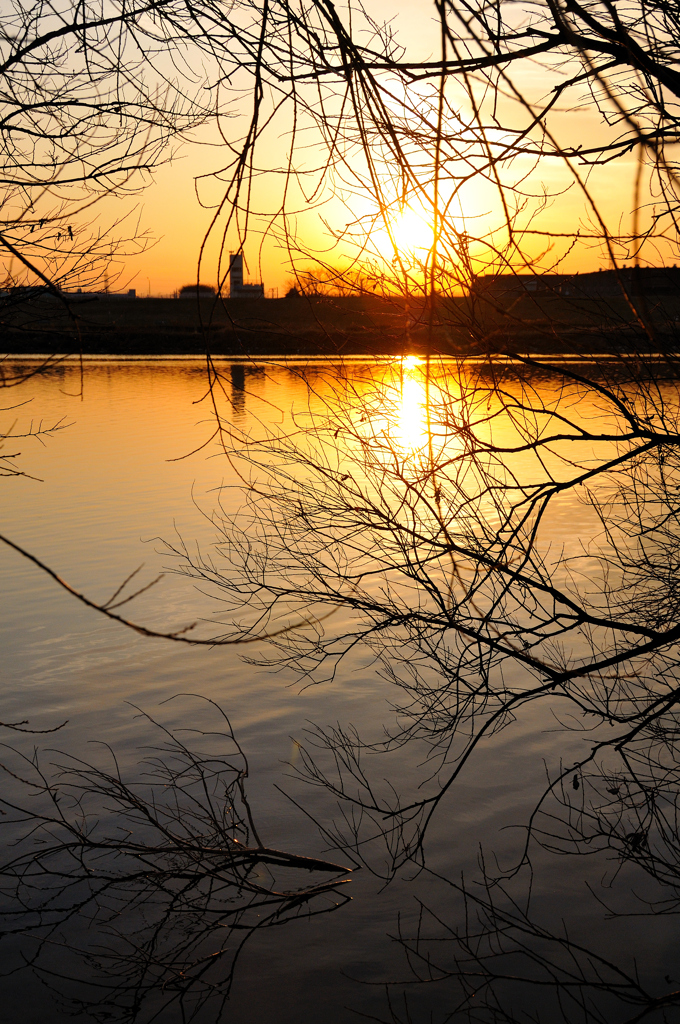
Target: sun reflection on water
[405,415]
[411,422]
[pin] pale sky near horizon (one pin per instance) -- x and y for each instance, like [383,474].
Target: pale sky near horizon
[170,210]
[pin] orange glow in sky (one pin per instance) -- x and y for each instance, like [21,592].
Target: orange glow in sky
[170,210]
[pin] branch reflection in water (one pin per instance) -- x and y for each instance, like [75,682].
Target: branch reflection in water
[490,585]
[132,898]
[518,558]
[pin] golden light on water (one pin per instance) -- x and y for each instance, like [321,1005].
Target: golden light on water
[411,425]
[394,419]
[394,409]
[423,419]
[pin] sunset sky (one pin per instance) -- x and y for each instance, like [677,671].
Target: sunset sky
[170,210]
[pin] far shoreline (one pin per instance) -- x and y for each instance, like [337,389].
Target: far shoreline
[352,327]
[57,358]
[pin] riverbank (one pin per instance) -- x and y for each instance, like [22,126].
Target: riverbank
[329,326]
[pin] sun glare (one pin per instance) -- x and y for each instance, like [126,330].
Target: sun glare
[411,234]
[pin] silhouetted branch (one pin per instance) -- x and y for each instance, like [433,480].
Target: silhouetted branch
[148,882]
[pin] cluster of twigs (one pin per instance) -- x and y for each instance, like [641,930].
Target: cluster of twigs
[137,890]
[436,553]
[505,962]
[438,560]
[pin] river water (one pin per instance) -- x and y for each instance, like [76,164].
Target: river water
[130,463]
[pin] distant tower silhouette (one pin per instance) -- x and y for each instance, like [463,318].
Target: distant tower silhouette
[237,289]
[235,274]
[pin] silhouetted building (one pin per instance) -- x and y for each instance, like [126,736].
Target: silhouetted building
[601,284]
[237,289]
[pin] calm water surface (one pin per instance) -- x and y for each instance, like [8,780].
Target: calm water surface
[132,465]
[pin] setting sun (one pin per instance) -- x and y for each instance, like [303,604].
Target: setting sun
[411,234]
